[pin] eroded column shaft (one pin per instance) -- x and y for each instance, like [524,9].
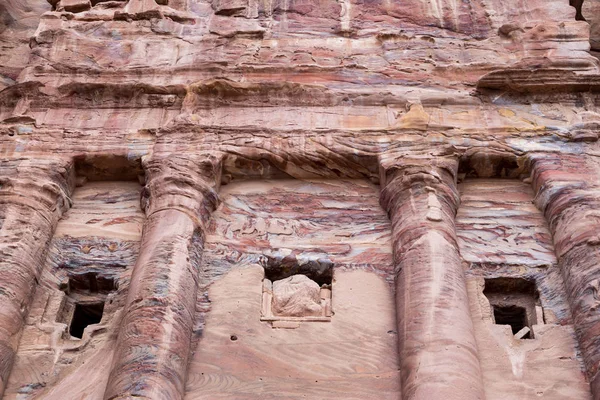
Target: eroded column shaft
[33,196]
[155,337]
[568,192]
[438,351]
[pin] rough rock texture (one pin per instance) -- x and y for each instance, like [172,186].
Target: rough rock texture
[296,296]
[591,12]
[431,166]
[96,241]
[287,222]
[18,22]
[506,237]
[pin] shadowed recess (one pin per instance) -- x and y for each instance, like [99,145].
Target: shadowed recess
[108,168]
[85,315]
[514,302]
[492,164]
[276,268]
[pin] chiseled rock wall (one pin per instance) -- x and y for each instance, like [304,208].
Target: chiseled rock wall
[18,22]
[506,236]
[353,356]
[99,235]
[163,162]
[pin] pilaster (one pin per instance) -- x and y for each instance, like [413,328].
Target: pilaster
[438,351]
[568,193]
[33,196]
[154,341]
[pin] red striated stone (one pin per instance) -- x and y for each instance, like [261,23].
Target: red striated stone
[320,138]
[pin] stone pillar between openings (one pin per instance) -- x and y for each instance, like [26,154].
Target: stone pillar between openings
[567,191]
[154,341]
[438,351]
[33,196]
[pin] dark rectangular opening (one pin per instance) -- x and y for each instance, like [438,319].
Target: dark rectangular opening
[320,271]
[85,314]
[513,302]
[514,316]
[107,167]
[92,282]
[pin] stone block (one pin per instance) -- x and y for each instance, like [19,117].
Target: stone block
[75,6]
[230,7]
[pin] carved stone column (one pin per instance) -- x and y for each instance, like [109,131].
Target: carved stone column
[153,346]
[438,351]
[33,196]
[568,192]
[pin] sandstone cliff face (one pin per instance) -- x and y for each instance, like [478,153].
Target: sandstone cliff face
[425,171]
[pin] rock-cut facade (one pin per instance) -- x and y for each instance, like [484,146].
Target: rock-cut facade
[300,199]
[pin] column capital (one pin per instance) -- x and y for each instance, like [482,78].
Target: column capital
[44,185]
[183,182]
[405,177]
[392,165]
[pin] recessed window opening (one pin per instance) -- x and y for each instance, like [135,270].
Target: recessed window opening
[514,302]
[514,316]
[85,314]
[296,291]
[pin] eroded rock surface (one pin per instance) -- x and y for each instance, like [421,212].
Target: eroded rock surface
[296,296]
[281,199]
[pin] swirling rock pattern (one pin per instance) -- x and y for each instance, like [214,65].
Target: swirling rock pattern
[99,235]
[162,157]
[501,234]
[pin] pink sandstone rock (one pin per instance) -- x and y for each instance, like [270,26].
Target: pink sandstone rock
[409,188]
[75,5]
[296,296]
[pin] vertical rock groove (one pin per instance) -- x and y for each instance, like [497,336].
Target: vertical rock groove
[437,345]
